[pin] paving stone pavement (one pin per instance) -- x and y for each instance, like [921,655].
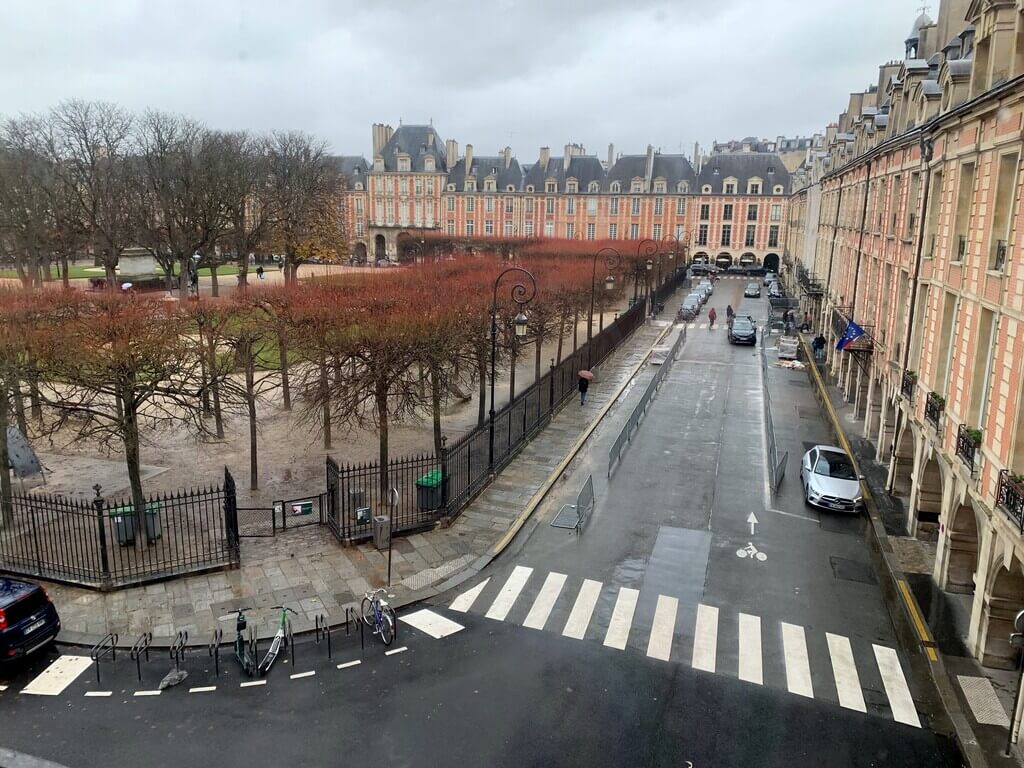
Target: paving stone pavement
[307,570]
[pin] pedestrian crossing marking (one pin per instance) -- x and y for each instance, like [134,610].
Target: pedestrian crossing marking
[900,701]
[148,693]
[705,638]
[98,694]
[541,609]
[659,646]
[582,609]
[348,664]
[465,601]
[844,670]
[750,649]
[58,676]
[798,665]
[203,689]
[300,675]
[252,683]
[622,618]
[507,597]
[433,624]
[393,651]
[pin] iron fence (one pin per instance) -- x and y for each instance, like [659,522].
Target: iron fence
[1010,496]
[776,464]
[420,491]
[104,544]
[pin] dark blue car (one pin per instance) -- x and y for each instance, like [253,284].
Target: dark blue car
[28,620]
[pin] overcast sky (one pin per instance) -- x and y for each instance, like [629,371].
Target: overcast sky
[490,72]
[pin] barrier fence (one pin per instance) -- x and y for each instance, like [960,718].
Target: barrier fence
[776,464]
[626,434]
[432,488]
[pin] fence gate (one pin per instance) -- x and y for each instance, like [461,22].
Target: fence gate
[256,522]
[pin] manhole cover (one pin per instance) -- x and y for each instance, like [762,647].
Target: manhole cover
[851,570]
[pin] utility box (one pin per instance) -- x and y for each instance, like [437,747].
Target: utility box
[381,531]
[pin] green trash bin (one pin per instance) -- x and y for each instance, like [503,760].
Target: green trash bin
[430,490]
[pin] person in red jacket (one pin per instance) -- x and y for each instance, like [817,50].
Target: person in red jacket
[712,316]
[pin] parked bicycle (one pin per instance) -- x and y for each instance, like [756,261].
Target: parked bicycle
[244,647]
[380,616]
[280,640]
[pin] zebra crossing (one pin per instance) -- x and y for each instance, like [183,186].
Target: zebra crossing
[709,638]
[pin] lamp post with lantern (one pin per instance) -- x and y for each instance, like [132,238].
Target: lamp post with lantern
[612,260]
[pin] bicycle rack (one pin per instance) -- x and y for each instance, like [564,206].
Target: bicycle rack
[218,635]
[178,647]
[105,647]
[323,629]
[141,647]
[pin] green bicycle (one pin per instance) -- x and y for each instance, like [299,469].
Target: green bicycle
[280,639]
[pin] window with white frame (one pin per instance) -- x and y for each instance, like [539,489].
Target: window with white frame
[403,165]
[591,206]
[659,186]
[777,190]
[776,212]
[659,206]
[550,186]
[509,204]
[470,225]
[591,230]
[470,204]
[727,234]
[705,211]
[359,206]
[549,229]
[727,212]
[615,187]
[389,211]
[488,227]
[428,164]
[489,185]
[730,188]
[549,205]
[679,231]
[488,204]
[570,230]
[634,231]
[613,231]
[451,187]
[418,186]
[702,234]
[773,236]
[389,185]
[450,227]
[508,228]
[683,187]
[656,232]
[636,206]
[570,205]
[359,229]
[706,189]
[680,206]
[637,185]
[528,228]
[754,186]
[613,206]
[529,188]
[418,218]
[403,185]
[471,185]
[748,238]
[572,186]
[593,187]
[529,205]
[450,203]
[752,212]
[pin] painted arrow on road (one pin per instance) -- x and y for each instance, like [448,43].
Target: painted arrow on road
[753,521]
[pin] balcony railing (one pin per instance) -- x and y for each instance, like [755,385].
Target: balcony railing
[1010,496]
[999,256]
[934,406]
[908,385]
[961,247]
[967,442]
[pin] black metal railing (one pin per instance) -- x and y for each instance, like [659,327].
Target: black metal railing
[999,256]
[104,544]
[967,442]
[961,247]
[420,491]
[934,405]
[908,384]
[1010,496]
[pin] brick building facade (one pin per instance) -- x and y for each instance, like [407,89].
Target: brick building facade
[908,223]
[731,210]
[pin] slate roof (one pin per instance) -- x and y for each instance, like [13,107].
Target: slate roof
[931,88]
[585,169]
[671,168]
[484,166]
[766,166]
[353,168]
[959,66]
[418,141]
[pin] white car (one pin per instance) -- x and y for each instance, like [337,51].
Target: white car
[707,284]
[770,277]
[829,480]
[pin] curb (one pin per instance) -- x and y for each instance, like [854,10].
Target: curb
[83,639]
[904,610]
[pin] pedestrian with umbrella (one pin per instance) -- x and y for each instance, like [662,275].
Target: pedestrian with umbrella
[584,385]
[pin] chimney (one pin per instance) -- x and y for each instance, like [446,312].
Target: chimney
[451,153]
[388,133]
[469,159]
[545,157]
[507,154]
[611,155]
[375,134]
[649,170]
[567,157]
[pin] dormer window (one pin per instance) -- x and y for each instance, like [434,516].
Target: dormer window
[593,187]
[616,187]
[682,187]
[403,164]
[529,188]
[428,163]
[777,190]
[359,186]
[659,186]
[636,186]
[572,186]
[550,186]
[730,188]
[378,163]
[510,188]
[489,185]
[706,189]
[451,187]
[471,185]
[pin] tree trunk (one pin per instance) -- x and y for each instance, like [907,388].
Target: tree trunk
[250,402]
[64,277]
[33,397]
[130,438]
[325,401]
[380,397]
[214,287]
[19,409]
[111,276]
[6,491]
[435,406]
[481,371]
[183,277]
[204,394]
[218,415]
[282,348]
[243,266]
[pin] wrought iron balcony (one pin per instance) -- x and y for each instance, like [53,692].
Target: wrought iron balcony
[934,406]
[999,256]
[961,247]
[967,442]
[908,385]
[1010,496]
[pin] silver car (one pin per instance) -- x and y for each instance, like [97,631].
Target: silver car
[830,480]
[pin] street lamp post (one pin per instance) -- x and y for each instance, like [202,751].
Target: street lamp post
[649,265]
[522,294]
[646,248]
[612,260]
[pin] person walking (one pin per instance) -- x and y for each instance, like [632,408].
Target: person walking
[712,316]
[806,328]
[584,385]
[259,272]
[818,345]
[729,315]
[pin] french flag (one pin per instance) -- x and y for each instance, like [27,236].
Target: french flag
[850,335]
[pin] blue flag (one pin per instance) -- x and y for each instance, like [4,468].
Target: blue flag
[850,335]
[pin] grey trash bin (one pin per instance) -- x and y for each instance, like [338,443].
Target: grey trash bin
[381,531]
[152,520]
[123,518]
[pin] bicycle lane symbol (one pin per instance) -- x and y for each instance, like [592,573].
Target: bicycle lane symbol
[752,552]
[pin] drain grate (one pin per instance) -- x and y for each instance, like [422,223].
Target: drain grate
[851,570]
[567,517]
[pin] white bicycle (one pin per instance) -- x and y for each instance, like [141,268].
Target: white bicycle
[752,552]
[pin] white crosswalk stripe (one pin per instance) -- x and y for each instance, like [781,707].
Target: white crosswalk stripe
[58,676]
[545,601]
[798,666]
[622,618]
[582,609]
[705,638]
[845,670]
[663,628]
[750,649]
[465,601]
[900,700]
[507,597]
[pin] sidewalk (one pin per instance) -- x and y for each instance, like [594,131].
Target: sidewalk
[307,570]
[946,614]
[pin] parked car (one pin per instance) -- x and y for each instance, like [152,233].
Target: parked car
[704,291]
[752,291]
[705,283]
[829,479]
[742,330]
[776,292]
[690,308]
[28,619]
[770,277]
[703,269]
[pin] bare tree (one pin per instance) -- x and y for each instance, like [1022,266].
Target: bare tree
[246,198]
